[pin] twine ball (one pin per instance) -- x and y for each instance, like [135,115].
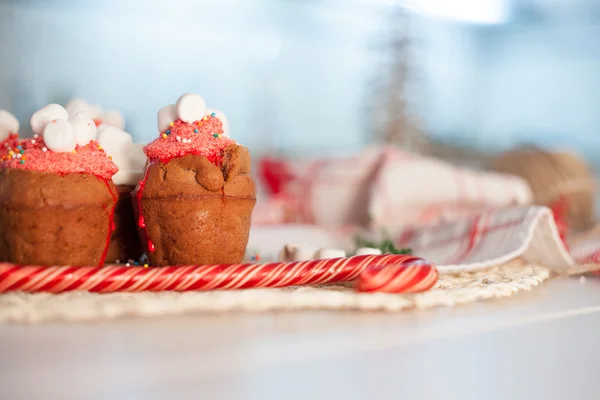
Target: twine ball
[553,176]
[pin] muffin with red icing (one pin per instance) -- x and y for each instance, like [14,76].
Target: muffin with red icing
[130,158]
[57,198]
[9,134]
[196,198]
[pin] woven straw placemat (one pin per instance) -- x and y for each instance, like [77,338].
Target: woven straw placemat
[500,281]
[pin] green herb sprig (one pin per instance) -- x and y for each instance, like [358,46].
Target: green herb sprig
[386,246]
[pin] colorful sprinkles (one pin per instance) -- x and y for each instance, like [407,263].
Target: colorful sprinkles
[183,138]
[8,147]
[16,152]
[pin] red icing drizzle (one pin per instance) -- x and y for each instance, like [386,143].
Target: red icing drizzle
[139,190]
[111,222]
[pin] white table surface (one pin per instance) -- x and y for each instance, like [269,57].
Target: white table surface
[536,345]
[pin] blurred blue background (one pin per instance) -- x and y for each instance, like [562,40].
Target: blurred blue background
[299,75]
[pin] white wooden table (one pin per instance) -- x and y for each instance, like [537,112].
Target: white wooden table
[537,345]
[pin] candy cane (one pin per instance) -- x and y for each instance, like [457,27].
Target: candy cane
[32,278]
[413,278]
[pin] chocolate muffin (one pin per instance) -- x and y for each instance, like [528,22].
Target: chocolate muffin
[52,219]
[130,158]
[195,202]
[57,198]
[124,242]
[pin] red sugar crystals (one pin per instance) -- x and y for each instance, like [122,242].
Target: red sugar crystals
[204,137]
[33,155]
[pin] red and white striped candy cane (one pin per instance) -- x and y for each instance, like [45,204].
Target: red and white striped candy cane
[413,278]
[32,278]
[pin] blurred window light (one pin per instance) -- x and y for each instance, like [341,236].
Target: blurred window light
[474,11]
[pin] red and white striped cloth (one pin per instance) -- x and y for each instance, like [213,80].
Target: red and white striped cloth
[381,187]
[491,238]
[471,243]
[457,218]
